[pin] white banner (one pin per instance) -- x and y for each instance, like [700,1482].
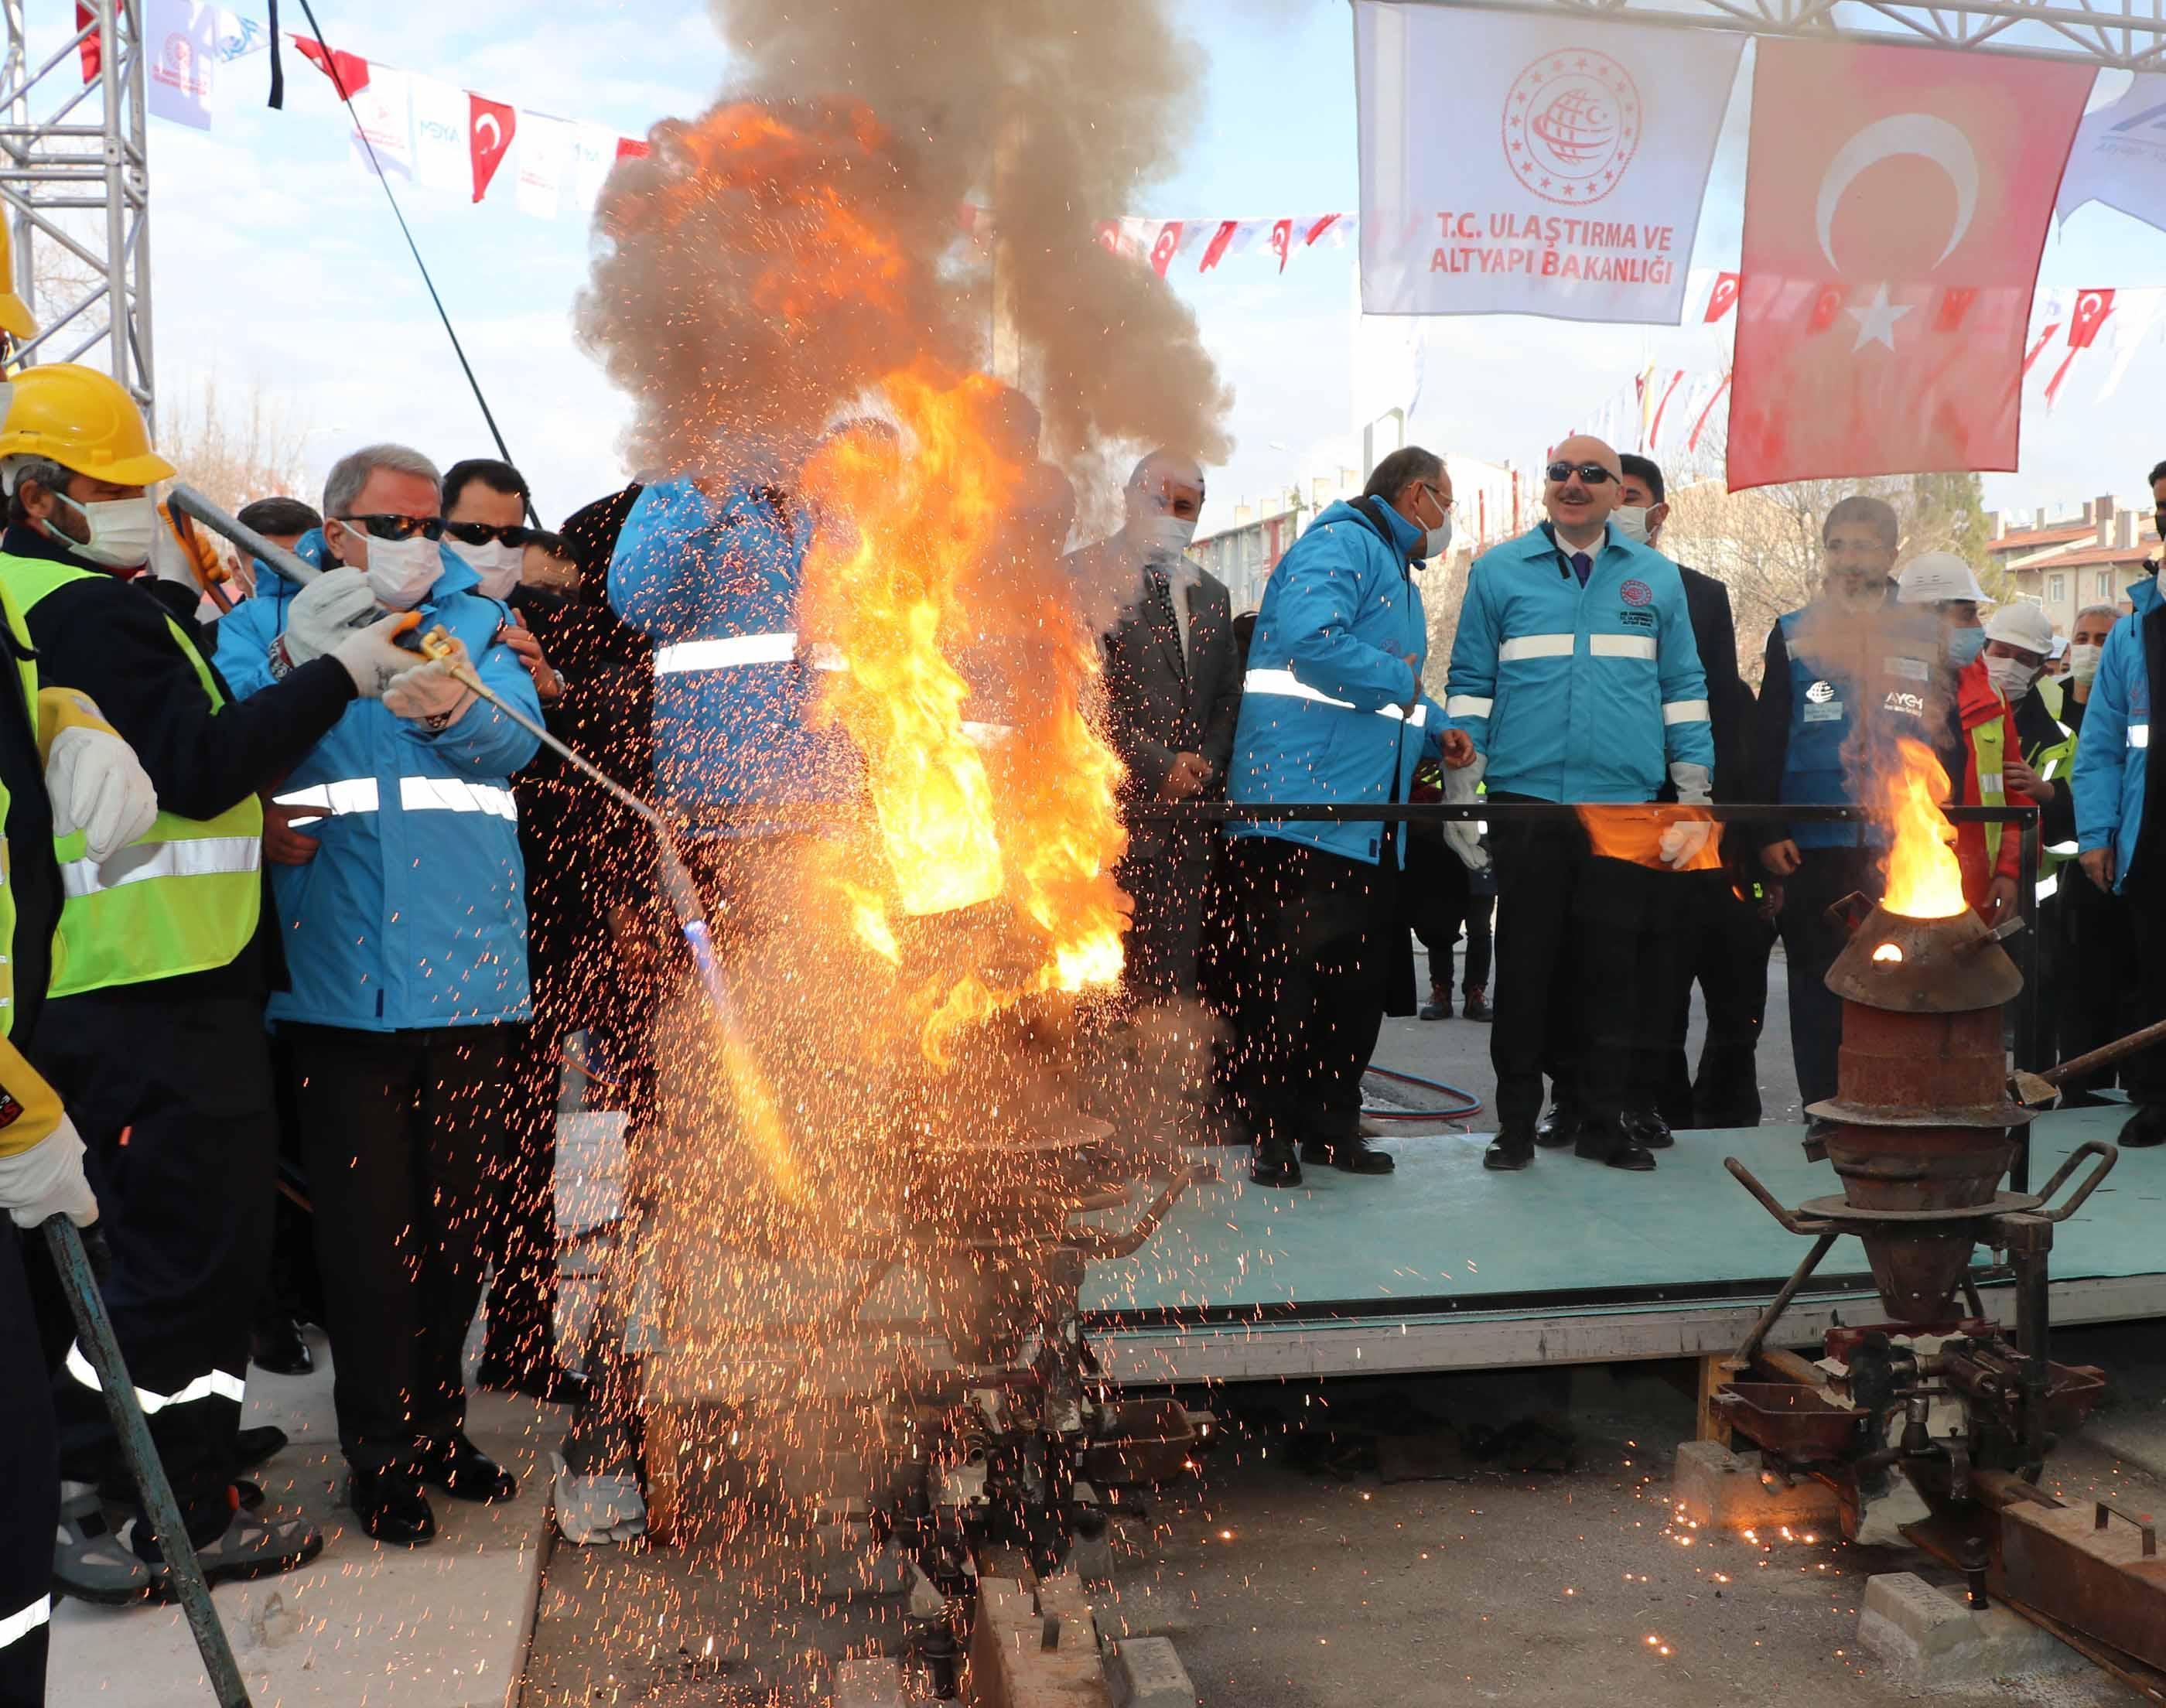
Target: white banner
[545,150]
[594,152]
[443,159]
[180,43]
[1538,166]
[2120,156]
[385,117]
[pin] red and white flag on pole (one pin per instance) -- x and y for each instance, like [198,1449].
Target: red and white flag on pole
[491,126]
[1894,219]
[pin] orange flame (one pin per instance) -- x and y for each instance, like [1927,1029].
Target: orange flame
[1923,880]
[906,563]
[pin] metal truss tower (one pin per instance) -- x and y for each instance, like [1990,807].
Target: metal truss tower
[75,187]
[2131,34]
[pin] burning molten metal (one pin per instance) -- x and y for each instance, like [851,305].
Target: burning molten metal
[916,557]
[1923,880]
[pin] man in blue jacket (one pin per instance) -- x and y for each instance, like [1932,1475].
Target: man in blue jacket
[2119,837]
[404,936]
[1332,710]
[1575,679]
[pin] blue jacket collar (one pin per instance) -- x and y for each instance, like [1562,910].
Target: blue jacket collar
[2144,594]
[1409,539]
[457,575]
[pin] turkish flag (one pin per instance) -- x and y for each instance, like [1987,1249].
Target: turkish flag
[490,127]
[1722,298]
[348,71]
[1167,247]
[1893,220]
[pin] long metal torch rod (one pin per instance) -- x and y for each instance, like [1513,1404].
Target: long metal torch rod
[2153,1034]
[94,1327]
[192,504]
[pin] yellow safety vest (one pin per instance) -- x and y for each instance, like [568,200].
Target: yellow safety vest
[184,897]
[2054,763]
[26,668]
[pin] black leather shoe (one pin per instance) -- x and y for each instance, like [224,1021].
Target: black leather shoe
[1510,1150]
[1438,1008]
[465,1473]
[251,1447]
[1613,1143]
[1477,1006]
[1558,1128]
[392,1507]
[1652,1130]
[276,1344]
[2145,1127]
[1356,1155]
[547,1379]
[1274,1164]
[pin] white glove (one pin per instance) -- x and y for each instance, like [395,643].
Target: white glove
[374,658]
[170,560]
[321,615]
[600,1506]
[47,1180]
[1465,835]
[1694,786]
[1682,841]
[98,787]
[430,693]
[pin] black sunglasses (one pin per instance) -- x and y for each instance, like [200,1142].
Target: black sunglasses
[396,527]
[481,533]
[1593,474]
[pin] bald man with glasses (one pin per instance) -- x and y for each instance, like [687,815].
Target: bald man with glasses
[1575,680]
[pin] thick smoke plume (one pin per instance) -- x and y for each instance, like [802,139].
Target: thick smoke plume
[844,153]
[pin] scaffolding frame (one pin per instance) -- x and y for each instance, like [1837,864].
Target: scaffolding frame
[75,145]
[2130,36]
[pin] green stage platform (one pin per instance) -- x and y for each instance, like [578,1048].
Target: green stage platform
[1446,1266]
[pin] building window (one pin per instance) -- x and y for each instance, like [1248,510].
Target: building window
[2057,588]
[2104,583]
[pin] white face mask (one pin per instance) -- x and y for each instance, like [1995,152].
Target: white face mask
[2012,677]
[2083,660]
[121,530]
[1631,521]
[401,572]
[1166,536]
[1439,541]
[497,563]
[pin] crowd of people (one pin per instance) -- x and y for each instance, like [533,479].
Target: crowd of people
[298,923]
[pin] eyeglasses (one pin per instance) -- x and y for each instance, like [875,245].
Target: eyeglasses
[481,533]
[1444,504]
[1593,474]
[395,527]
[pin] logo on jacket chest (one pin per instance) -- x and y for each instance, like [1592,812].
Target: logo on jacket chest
[1636,592]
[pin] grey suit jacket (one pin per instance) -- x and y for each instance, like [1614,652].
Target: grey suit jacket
[1159,705]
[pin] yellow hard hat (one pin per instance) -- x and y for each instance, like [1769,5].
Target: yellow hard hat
[82,420]
[15,318]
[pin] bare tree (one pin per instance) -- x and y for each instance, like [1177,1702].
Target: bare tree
[235,449]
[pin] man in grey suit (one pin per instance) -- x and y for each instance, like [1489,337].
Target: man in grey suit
[1173,690]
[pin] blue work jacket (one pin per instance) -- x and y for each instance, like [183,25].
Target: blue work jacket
[1323,710]
[1578,694]
[2114,746]
[713,582]
[413,913]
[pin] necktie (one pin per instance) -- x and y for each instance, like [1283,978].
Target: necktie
[1581,565]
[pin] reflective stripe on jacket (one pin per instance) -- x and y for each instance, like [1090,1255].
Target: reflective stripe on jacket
[1578,694]
[412,913]
[184,897]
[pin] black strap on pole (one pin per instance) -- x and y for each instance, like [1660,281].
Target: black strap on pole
[278,65]
[338,82]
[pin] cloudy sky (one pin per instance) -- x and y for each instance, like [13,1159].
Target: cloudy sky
[277,264]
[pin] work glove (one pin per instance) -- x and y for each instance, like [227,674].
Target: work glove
[431,694]
[597,1506]
[324,614]
[372,656]
[1682,841]
[98,787]
[1465,835]
[47,1180]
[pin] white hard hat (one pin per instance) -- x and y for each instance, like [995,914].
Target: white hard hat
[1933,576]
[2060,647]
[2023,624]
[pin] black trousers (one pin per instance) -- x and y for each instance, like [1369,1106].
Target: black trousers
[1724,947]
[400,1132]
[175,1106]
[1166,873]
[1437,902]
[2143,1075]
[30,1487]
[1811,941]
[1312,986]
[522,1295]
[2095,976]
